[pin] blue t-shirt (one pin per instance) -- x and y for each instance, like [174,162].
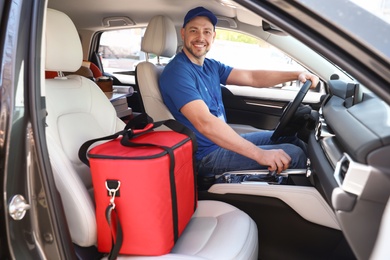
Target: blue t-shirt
[183,81]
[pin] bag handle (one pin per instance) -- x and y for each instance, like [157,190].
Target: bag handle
[170,123]
[84,147]
[134,123]
[132,130]
[139,122]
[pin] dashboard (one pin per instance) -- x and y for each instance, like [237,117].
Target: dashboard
[349,154]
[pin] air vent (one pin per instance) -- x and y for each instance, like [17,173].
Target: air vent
[352,176]
[341,169]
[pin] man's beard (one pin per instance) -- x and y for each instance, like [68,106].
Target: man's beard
[197,56]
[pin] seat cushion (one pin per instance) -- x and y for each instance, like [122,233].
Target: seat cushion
[217,230]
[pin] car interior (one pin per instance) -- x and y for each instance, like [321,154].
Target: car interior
[335,208]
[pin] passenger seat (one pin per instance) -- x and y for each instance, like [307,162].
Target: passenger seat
[78,111]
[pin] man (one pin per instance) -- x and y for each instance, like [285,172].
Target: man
[190,86]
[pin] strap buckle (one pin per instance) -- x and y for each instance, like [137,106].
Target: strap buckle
[112,193]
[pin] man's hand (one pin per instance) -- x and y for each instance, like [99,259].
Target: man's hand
[276,160]
[308,76]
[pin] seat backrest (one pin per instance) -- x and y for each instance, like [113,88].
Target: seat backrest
[77,111]
[160,39]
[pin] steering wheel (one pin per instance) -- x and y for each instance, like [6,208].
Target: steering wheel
[290,110]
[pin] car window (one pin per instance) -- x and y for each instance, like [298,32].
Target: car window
[247,52]
[120,50]
[243,51]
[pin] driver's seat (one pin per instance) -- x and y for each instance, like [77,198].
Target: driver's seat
[159,39]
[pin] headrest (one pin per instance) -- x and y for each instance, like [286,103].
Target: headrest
[160,37]
[63,46]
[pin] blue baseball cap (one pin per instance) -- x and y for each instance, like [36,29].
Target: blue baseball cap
[200,11]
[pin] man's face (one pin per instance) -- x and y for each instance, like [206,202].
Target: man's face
[198,36]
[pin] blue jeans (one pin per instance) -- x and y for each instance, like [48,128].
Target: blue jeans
[222,160]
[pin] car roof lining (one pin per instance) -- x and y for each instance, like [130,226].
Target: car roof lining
[137,12]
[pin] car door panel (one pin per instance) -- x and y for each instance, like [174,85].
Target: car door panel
[259,113]
[261,108]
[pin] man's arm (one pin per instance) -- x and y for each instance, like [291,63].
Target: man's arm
[267,78]
[224,136]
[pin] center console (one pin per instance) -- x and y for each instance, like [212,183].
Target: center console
[292,186]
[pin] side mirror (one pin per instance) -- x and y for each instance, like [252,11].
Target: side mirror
[270,28]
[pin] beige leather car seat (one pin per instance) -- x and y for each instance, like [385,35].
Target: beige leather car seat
[160,39]
[78,111]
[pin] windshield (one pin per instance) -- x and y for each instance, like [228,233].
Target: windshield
[369,26]
[379,8]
